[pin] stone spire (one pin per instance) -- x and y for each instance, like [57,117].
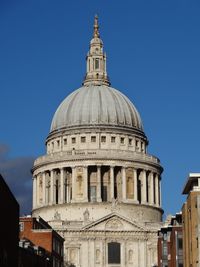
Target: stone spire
[96,60]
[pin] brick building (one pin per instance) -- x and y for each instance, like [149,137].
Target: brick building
[191,221]
[9,223]
[170,243]
[40,233]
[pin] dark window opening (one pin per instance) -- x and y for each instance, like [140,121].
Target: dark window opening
[104,193]
[83,139]
[114,253]
[96,63]
[93,139]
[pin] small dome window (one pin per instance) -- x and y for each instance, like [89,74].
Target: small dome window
[93,139]
[113,138]
[103,139]
[83,139]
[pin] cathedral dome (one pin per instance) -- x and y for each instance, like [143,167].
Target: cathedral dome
[96,105]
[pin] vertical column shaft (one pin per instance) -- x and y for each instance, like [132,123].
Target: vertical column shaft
[123,183]
[44,188]
[34,192]
[135,185]
[62,188]
[38,190]
[99,183]
[156,190]
[151,189]
[144,187]
[111,183]
[160,193]
[73,184]
[52,186]
[85,193]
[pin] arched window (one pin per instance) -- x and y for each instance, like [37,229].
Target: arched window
[96,64]
[114,253]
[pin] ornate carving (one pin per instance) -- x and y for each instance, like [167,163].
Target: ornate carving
[57,215]
[114,224]
[114,204]
[86,215]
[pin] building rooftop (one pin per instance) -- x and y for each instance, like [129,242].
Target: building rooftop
[192,183]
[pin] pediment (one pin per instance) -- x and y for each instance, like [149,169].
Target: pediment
[114,222]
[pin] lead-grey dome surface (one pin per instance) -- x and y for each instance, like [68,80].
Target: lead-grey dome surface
[96,105]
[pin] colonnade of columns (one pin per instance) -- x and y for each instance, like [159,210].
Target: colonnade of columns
[96,184]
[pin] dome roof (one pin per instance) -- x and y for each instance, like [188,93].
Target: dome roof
[95,105]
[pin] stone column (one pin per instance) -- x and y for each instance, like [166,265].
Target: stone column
[85,179]
[156,190]
[123,183]
[68,188]
[151,189]
[160,191]
[38,190]
[52,185]
[62,192]
[73,184]
[123,254]
[99,183]
[144,188]
[34,192]
[135,197]
[111,183]
[44,188]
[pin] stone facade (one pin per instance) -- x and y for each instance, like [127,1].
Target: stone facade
[97,185]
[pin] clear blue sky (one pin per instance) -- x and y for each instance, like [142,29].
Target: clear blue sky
[153,49]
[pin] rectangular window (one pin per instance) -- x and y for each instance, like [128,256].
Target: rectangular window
[65,141]
[130,141]
[113,139]
[93,139]
[73,140]
[83,139]
[122,140]
[103,139]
